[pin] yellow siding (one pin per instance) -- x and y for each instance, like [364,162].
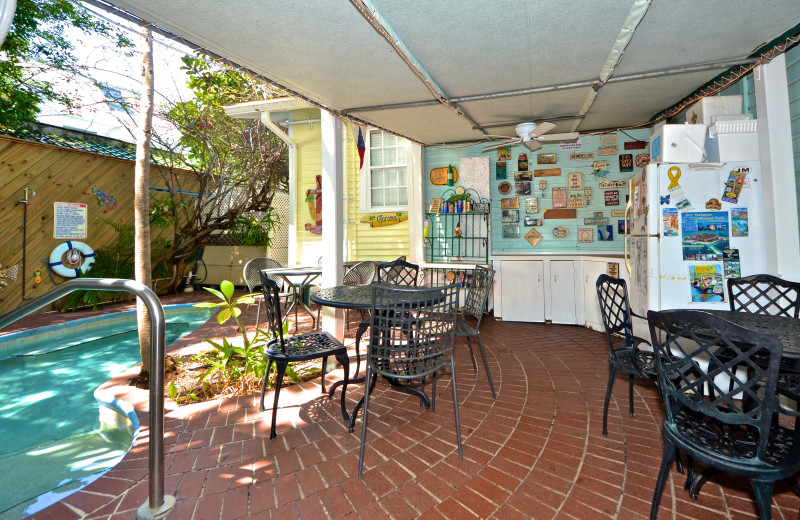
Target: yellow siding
[363,242]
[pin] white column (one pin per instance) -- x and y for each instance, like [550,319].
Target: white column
[777,167]
[332,216]
[416,205]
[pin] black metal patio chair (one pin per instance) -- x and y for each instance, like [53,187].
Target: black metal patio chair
[719,410]
[252,277]
[412,334]
[284,350]
[474,307]
[615,309]
[398,272]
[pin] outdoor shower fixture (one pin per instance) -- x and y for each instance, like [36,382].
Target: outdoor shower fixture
[28,193]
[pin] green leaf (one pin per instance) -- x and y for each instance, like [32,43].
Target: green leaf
[292,374]
[207,305]
[223,316]
[236,312]
[215,293]
[227,289]
[172,390]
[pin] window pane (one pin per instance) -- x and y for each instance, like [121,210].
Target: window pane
[375,139]
[401,156]
[375,157]
[377,197]
[402,198]
[389,140]
[378,179]
[391,196]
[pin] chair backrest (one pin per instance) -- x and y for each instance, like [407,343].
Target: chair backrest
[412,329]
[252,270]
[478,292]
[707,365]
[272,301]
[398,272]
[362,273]
[612,293]
[764,294]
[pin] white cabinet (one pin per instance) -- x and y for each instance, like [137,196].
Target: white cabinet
[561,292]
[591,307]
[522,290]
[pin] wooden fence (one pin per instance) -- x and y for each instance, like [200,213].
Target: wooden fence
[56,174]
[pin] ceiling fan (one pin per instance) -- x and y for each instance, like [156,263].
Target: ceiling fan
[531,135]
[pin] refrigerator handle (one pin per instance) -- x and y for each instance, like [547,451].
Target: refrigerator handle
[627,235]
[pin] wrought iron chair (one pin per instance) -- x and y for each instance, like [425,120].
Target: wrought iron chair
[412,334]
[728,427]
[764,294]
[767,294]
[252,277]
[474,306]
[398,272]
[616,312]
[284,350]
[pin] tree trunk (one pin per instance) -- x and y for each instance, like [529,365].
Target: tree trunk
[141,197]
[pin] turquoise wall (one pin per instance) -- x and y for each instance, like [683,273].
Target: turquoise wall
[439,156]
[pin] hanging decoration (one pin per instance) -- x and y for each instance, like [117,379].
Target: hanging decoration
[384,219]
[37,275]
[78,256]
[104,199]
[361,148]
[8,274]
[314,201]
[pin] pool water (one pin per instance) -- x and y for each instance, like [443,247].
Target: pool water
[55,437]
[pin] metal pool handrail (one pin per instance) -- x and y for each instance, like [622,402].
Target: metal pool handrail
[158,505]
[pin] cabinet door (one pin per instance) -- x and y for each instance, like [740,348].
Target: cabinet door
[591,306]
[562,291]
[522,290]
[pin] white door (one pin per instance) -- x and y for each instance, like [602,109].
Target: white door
[522,291]
[562,291]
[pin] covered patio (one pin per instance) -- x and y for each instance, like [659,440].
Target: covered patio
[535,452]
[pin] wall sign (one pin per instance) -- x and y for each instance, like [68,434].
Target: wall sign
[546,158]
[626,162]
[613,184]
[532,205]
[69,220]
[384,219]
[585,235]
[559,197]
[575,199]
[560,213]
[635,145]
[549,172]
[509,203]
[575,181]
[439,175]
[594,221]
[533,237]
[579,156]
[314,201]
[612,197]
[617,212]
[611,149]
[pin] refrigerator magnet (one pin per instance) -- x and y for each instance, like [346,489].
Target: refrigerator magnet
[713,204]
[739,225]
[669,219]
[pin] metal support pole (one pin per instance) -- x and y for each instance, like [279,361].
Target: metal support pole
[158,505]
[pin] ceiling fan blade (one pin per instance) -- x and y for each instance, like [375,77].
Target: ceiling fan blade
[533,144]
[566,136]
[541,128]
[496,146]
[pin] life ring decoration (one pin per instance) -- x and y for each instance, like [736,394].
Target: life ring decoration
[79,258]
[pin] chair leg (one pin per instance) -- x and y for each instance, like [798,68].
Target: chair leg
[763,492]
[630,396]
[433,392]
[281,370]
[363,427]
[324,367]
[455,406]
[345,361]
[486,366]
[368,390]
[611,372]
[471,355]
[264,385]
[666,461]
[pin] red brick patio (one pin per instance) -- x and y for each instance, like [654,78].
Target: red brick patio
[535,452]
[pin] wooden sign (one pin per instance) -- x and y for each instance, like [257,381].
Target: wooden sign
[532,205]
[612,184]
[578,156]
[612,269]
[585,235]
[561,213]
[612,197]
[549,172]
[575,181]
[546,158]
[617,212]
[642,160]
[635,145]
[626,162]
[609,138]
[533,237]
[611,149]
[436,205]
[559,197]
[439,176]
[384,219]
[509,203]
[594,221]
[575,199]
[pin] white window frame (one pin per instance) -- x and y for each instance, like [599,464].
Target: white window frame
[365,177]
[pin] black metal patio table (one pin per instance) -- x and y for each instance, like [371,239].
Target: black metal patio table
[357,297]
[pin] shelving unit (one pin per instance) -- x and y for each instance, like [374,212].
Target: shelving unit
[444,245]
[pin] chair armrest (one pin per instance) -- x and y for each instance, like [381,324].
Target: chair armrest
[638,316]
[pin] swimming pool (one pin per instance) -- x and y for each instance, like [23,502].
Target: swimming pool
[55,439]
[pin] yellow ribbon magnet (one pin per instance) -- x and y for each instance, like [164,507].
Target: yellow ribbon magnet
[674,175]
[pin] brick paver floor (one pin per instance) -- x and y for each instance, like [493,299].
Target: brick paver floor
[535,452]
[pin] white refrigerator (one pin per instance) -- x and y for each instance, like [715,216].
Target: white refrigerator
[692,226]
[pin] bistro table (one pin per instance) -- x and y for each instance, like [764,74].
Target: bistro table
[358,297]
[308,274]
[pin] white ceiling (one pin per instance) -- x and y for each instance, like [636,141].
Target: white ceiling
[329,53]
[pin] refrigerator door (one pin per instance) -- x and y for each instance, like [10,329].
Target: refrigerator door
[689,280]
[645,289]
[642,197]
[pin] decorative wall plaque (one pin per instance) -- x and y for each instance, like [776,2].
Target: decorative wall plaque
[635,145]
[560,213]
[613,184]
[511,231]
[439,175]
[533,237]
[626,162]
[611,149]
[522,188]
[642,160]
[585,235]
[547,158]
[612,197]
[559,197]
[530,221]
[579,156]
[617,212]
[594,221]
[549,172]
[532,205]
[523,176]
[575,199]
[560,231]
[509,203]
[575,181]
